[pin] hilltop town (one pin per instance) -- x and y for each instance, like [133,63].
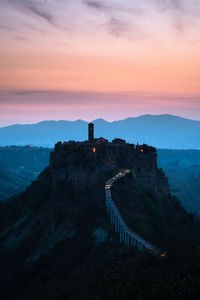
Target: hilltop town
[95,143]
[83,163]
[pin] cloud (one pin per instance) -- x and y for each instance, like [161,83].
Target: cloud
[19,38]
[112,8]
[88,98]
[34,8]
[42,14]
[98,6]
[184,7]
[30,92]
[4,27]
[120,21]
[62,44]
[177,5]
[183,14]
[117,27]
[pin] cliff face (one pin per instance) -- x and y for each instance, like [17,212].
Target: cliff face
[83,164]
[74,179]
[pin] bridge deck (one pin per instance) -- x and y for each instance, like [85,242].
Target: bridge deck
[127,236]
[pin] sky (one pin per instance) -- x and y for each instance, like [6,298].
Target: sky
[85,59]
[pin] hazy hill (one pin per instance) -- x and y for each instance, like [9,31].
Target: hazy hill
[19,166]
[182,167]
[162,131]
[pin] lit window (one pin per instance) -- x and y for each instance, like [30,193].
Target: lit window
[93,149]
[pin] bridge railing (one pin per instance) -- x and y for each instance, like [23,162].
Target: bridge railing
[127,236]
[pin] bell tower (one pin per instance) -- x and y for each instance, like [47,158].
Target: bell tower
[91,132]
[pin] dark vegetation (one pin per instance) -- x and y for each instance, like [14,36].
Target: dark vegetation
[154,215]
[71,269]
[164,222]
[78,266]
[56,242]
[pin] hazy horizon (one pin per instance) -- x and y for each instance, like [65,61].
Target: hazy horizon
[84,120]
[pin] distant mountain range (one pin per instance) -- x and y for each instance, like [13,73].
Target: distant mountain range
[161,131]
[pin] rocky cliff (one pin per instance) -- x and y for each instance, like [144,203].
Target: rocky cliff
[83,164]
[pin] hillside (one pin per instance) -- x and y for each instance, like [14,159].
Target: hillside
[19,166]
[182,167]
[162,131]
[57,241]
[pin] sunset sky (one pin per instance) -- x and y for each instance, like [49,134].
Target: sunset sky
[79,59]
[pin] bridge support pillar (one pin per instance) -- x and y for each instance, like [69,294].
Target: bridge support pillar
[140,247]
[116,223]
[122,234]
[131,240]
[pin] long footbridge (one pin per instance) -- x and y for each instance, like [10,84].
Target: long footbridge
[127,236]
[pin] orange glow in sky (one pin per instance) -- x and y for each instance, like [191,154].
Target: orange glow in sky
[89,59]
